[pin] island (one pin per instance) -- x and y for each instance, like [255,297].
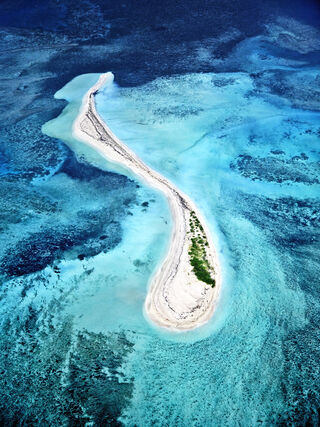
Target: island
[184,291]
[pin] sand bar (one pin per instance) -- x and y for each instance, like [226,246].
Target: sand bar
[176,298]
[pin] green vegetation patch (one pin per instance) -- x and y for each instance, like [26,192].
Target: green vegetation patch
[197,252]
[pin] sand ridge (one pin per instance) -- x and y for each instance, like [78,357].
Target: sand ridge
[176,299]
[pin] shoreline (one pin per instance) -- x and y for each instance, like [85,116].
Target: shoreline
[176,299]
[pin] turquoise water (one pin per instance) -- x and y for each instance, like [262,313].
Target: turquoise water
[112,299]
[220,143]
[250,164]
[223,98]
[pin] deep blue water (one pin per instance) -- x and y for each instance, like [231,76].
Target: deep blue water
[221,97]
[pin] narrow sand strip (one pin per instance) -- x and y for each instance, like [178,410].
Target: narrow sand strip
[176,298]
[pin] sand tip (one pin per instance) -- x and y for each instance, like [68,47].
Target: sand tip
[108,77]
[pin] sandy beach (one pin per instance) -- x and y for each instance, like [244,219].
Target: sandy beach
[176,298]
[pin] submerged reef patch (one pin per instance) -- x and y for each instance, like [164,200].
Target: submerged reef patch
[50,374]
[67,215]
[278,169]
[290,222]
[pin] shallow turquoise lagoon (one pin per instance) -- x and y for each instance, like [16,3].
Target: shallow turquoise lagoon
[238,156]
[112,298]
[250,164]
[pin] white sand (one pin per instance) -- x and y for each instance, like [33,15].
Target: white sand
[176,299]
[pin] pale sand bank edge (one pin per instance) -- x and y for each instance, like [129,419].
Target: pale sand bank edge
[176,299]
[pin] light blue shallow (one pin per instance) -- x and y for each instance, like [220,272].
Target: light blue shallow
[189,128]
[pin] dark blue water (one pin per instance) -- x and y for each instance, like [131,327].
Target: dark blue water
[70,226]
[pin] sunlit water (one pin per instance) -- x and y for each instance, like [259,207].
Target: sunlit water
[237,155]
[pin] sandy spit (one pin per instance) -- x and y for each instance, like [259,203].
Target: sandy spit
[176,299]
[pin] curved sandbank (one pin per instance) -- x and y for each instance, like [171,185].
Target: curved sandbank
[178,298]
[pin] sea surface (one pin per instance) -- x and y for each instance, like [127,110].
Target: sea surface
[230,113]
